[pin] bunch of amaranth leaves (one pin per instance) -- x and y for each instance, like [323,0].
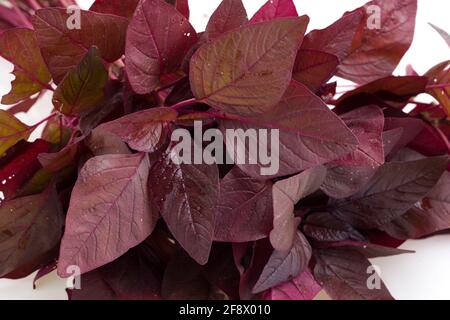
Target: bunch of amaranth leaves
[99,191]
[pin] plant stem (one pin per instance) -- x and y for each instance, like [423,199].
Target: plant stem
[21,15]
[34,4]
[184,103]
[44,120]
[443,137]
[438,86]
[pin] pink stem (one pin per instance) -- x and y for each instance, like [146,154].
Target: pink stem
[34,4]
[438,86]
[184,103]
[21,15]
[44,120]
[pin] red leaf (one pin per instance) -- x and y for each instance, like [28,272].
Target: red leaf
[158,38]
[303,287]
[285,265]
[314,68]
[229,15]
[244,210]
[144,130]
[377,51]
[236,78]
[109,212]
[186,196]
[124,8]
[273,9]
[63,48]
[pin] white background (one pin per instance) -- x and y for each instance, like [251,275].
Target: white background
[422,275]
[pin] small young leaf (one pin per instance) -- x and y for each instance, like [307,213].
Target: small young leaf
[186,196]
[63,48]
[144,130]
[444,34]
[285,265]
[81,90]
[158,38]
[439,88]
[244,210]
[237,78]
[230,15]
[109,212]
[394,189]
[11,131]
[274,9]
[19,46]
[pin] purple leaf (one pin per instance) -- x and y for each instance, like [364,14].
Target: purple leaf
[367,125]
[380,45]
[124,8]
[19,46]
[144,130]
[305,122]
[244,210]
[274,9]
[236,78]
[158,38]
[343,273]
[285,265]
[186,197]
[394,189]
[30,227]
[64,48]
[286,193]
[229,15]
[337,38]
[303,287]
[322,226]
[109,212]
[430,215]
[313,68]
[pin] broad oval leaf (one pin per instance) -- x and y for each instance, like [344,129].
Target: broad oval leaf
[144,130]
[186,196]
[394,189]
[109,212]
[19,46]
[309,134]
[388,31]
[286,193]
[63,48]
[241,72]
[230,14]
[30,227]
[273,9]
[285,265]
[158,38]
[244,211]
[82,89]
[12,131]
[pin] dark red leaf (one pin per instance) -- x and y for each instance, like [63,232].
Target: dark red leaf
[230,15]
[274,9]
[303,287]
[124,8]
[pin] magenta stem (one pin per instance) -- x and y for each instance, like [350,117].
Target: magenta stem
[184,103]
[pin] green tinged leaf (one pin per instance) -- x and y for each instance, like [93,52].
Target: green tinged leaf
[82,88]
[11,131]
[19,46]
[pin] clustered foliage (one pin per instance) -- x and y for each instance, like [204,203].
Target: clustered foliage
[99,190]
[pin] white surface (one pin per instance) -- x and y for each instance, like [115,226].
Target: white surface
[422,275]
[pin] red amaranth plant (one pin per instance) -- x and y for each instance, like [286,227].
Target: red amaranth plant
[100,189]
